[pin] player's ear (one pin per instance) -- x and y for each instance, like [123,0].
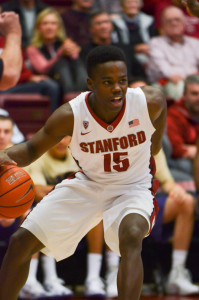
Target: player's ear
[90,84]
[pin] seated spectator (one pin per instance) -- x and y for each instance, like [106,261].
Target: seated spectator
[173,55]
[17,135]
[27,11]
[183,126]
[52,54]
[47,171]
[156,7]
[175,218]
[34,84]
[135,28]
[101,29]
[76,21]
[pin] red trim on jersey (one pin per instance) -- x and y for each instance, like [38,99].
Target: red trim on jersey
[101,122]
[153,189]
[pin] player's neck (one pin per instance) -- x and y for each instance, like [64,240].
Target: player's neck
[106,116]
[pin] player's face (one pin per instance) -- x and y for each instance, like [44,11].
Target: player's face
[48,27]
[6,132]
[101,26]
[191,96]
[109,84]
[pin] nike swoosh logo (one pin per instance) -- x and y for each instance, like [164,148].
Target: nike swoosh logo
[82,133]
[27,191]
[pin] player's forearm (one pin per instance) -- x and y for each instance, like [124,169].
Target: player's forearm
[21,154]
[12,61]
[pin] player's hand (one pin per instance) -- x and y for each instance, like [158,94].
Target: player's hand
[9,24]
[5,160]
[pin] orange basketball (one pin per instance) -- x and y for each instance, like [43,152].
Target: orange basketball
[17,192]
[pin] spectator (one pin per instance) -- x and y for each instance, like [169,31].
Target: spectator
[112,7]
[27,11]
[101,29]
[17,136]
[75,21]
[173,55]
[52,54]
[156,7]
[175,218]
[10,58]
[35,84]
[135,28]
[47,171]
[183,126]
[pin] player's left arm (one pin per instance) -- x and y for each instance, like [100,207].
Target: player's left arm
[157,108]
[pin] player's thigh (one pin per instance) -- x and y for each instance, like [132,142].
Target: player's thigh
[24,242]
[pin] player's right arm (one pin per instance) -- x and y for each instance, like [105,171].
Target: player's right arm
[55,129]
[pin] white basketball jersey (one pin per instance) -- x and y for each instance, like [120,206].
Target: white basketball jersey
[117,153]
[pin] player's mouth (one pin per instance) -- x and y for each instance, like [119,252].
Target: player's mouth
[117,101]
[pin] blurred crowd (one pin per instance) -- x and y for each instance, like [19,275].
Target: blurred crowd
[160,41]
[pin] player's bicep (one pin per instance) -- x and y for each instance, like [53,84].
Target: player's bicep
[59,125]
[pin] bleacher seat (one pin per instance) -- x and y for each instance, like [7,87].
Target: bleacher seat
[29,111]
[70,96]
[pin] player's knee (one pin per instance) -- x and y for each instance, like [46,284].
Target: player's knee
[131,239]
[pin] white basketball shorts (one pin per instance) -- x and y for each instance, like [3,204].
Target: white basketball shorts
[75,206]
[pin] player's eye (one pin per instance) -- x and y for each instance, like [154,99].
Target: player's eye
[107,82]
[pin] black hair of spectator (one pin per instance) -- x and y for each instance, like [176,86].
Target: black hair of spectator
[6,118]
[191,79]
[103,54]
[94,13]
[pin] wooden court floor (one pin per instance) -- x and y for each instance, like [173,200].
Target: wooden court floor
[158,297]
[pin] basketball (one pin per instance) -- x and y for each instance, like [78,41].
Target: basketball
[17,192]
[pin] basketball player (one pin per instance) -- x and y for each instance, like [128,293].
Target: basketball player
[192,6]
[114,133]
[11,57]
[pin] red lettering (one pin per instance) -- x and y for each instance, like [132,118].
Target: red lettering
[115,143]
[124,142]
[84,147]
[91,147]
[132,140]
[141,137]
[99,147]
[108,145]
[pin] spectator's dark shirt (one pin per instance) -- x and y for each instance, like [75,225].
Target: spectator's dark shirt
[76,26]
